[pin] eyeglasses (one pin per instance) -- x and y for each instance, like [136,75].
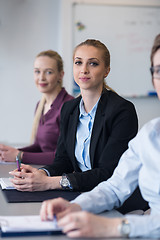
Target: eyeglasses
[155,71]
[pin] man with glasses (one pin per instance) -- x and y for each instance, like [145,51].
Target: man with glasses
[139,165]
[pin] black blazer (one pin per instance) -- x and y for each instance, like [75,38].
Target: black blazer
[114,125]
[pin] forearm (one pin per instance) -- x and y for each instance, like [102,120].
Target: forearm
[40,158]
[53,183]
[31,148]
[86,181]
[104,199]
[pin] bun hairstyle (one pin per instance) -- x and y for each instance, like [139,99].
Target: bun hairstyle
[54,55]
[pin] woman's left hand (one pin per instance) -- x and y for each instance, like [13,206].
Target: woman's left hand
[84,224]
[8,154]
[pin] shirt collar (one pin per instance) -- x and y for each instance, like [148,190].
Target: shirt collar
[83,112]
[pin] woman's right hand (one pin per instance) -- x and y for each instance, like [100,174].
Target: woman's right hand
[59,207]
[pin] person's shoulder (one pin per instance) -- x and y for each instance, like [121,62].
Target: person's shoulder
[118,98]
[71,104]
[147,136]
[66,95]
[115,100]
[37,106]
[151,128]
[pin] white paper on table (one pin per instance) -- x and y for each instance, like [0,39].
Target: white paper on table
[31,223]
[6,183]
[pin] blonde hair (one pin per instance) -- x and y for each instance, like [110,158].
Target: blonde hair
[106,54]
[36,119]
[54,55]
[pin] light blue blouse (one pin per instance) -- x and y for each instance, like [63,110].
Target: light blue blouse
[139,165]
[83,136]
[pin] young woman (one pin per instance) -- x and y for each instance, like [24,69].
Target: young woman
[95,129]
[139,165]
[48,76]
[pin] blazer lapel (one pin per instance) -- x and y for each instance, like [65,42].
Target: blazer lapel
[72,125]
[97,126]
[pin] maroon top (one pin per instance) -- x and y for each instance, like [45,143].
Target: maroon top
[44,148]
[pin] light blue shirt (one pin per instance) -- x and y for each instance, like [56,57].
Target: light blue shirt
[139,165]
[83,136]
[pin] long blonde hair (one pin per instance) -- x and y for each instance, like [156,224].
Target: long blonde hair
[106,54]
[54,55]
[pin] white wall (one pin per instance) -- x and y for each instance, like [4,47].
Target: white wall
[147,108]
[26,28]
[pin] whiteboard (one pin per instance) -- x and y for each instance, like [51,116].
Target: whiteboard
[128,32]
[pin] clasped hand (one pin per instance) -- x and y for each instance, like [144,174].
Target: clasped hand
[7,153]
[29,179]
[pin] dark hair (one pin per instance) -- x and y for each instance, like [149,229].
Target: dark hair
[156,46]
[99,45]
[54,55]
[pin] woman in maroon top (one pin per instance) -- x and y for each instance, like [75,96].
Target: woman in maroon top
[48,75]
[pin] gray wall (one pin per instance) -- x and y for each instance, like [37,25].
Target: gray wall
[147,109]
[26,28]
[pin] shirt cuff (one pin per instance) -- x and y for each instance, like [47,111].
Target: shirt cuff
[48,174]
[144,225]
